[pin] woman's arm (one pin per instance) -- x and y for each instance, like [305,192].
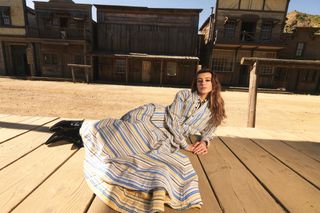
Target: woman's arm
[208,134]
[173,116]
[201,146]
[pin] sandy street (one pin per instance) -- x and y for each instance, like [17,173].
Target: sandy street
[292,113]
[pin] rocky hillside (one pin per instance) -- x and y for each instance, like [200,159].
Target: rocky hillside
[299,19]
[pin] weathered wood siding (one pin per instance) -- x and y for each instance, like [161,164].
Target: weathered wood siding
[162,34]
[65,55]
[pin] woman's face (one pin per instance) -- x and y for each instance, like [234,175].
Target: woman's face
[204,83]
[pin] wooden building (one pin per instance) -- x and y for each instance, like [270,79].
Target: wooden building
[41,42]
[13,45]
[63,36]
[302,44]
[146,45]
[243,28]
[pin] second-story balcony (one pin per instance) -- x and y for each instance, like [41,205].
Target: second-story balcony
[245,37]
[66,34]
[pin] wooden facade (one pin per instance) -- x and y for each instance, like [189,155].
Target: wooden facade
[146,45]
[56,33]
[65,35]
[244,28]
[302,44]
[13,46]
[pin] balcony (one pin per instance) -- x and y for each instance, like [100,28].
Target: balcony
[65,34]
[245,37]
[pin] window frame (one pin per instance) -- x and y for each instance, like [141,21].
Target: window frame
[120,65]
[300,51]
[169,68]
[266,35]
[5,14]
[50,59]
[229,29]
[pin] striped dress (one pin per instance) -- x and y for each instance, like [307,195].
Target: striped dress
[133,164]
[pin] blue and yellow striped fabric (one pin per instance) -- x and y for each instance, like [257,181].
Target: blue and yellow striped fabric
[133,163]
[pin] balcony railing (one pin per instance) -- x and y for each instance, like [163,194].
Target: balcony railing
[247,37]
[68,34]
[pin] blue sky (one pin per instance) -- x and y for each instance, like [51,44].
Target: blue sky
[307,6]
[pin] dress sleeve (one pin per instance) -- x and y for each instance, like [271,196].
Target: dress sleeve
[173,118]
[208,134]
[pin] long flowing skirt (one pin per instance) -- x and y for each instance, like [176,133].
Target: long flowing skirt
[131,166]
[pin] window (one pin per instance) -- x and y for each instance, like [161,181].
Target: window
[223,61]
[300,47]
[229,29]
[64,22]
[171,68]
[265,70]
[280,75]
[308,76]
[5,16]
[121,66]
[266,31]
[50,59]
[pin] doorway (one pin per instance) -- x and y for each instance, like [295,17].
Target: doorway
[19,60]
[248,30]
[146,71]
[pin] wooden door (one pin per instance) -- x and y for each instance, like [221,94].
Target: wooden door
[146,71]
[19,60]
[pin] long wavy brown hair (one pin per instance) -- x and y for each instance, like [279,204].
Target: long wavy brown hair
[216,103]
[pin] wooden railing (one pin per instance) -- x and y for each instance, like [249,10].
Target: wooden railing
[254,75]
[82,67]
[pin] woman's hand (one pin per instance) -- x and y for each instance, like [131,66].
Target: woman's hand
[190,148]
[200,147]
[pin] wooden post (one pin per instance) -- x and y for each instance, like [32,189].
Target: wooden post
[73,77]
[253,86]
[127,70]
[86,70]
[161,72]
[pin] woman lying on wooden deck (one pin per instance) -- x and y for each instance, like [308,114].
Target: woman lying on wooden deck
[133,164]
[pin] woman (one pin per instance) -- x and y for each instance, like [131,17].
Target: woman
[133,163]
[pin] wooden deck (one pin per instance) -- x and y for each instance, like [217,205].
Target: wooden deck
[246,170]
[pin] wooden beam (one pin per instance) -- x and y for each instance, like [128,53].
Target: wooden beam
[253,85]
[313,64]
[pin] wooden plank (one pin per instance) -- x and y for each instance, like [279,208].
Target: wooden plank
[311,149]
[13,119]
[296,160]
[64,191]
[98,206]
[4,115]
[282,182]
[314,64]
[236,188]
[23,144]
[19,179]
[12,129]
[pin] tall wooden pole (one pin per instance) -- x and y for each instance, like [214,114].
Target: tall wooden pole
[253,86]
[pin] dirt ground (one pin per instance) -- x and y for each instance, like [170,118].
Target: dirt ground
[292,113]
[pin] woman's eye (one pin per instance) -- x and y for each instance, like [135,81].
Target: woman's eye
[208,80]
